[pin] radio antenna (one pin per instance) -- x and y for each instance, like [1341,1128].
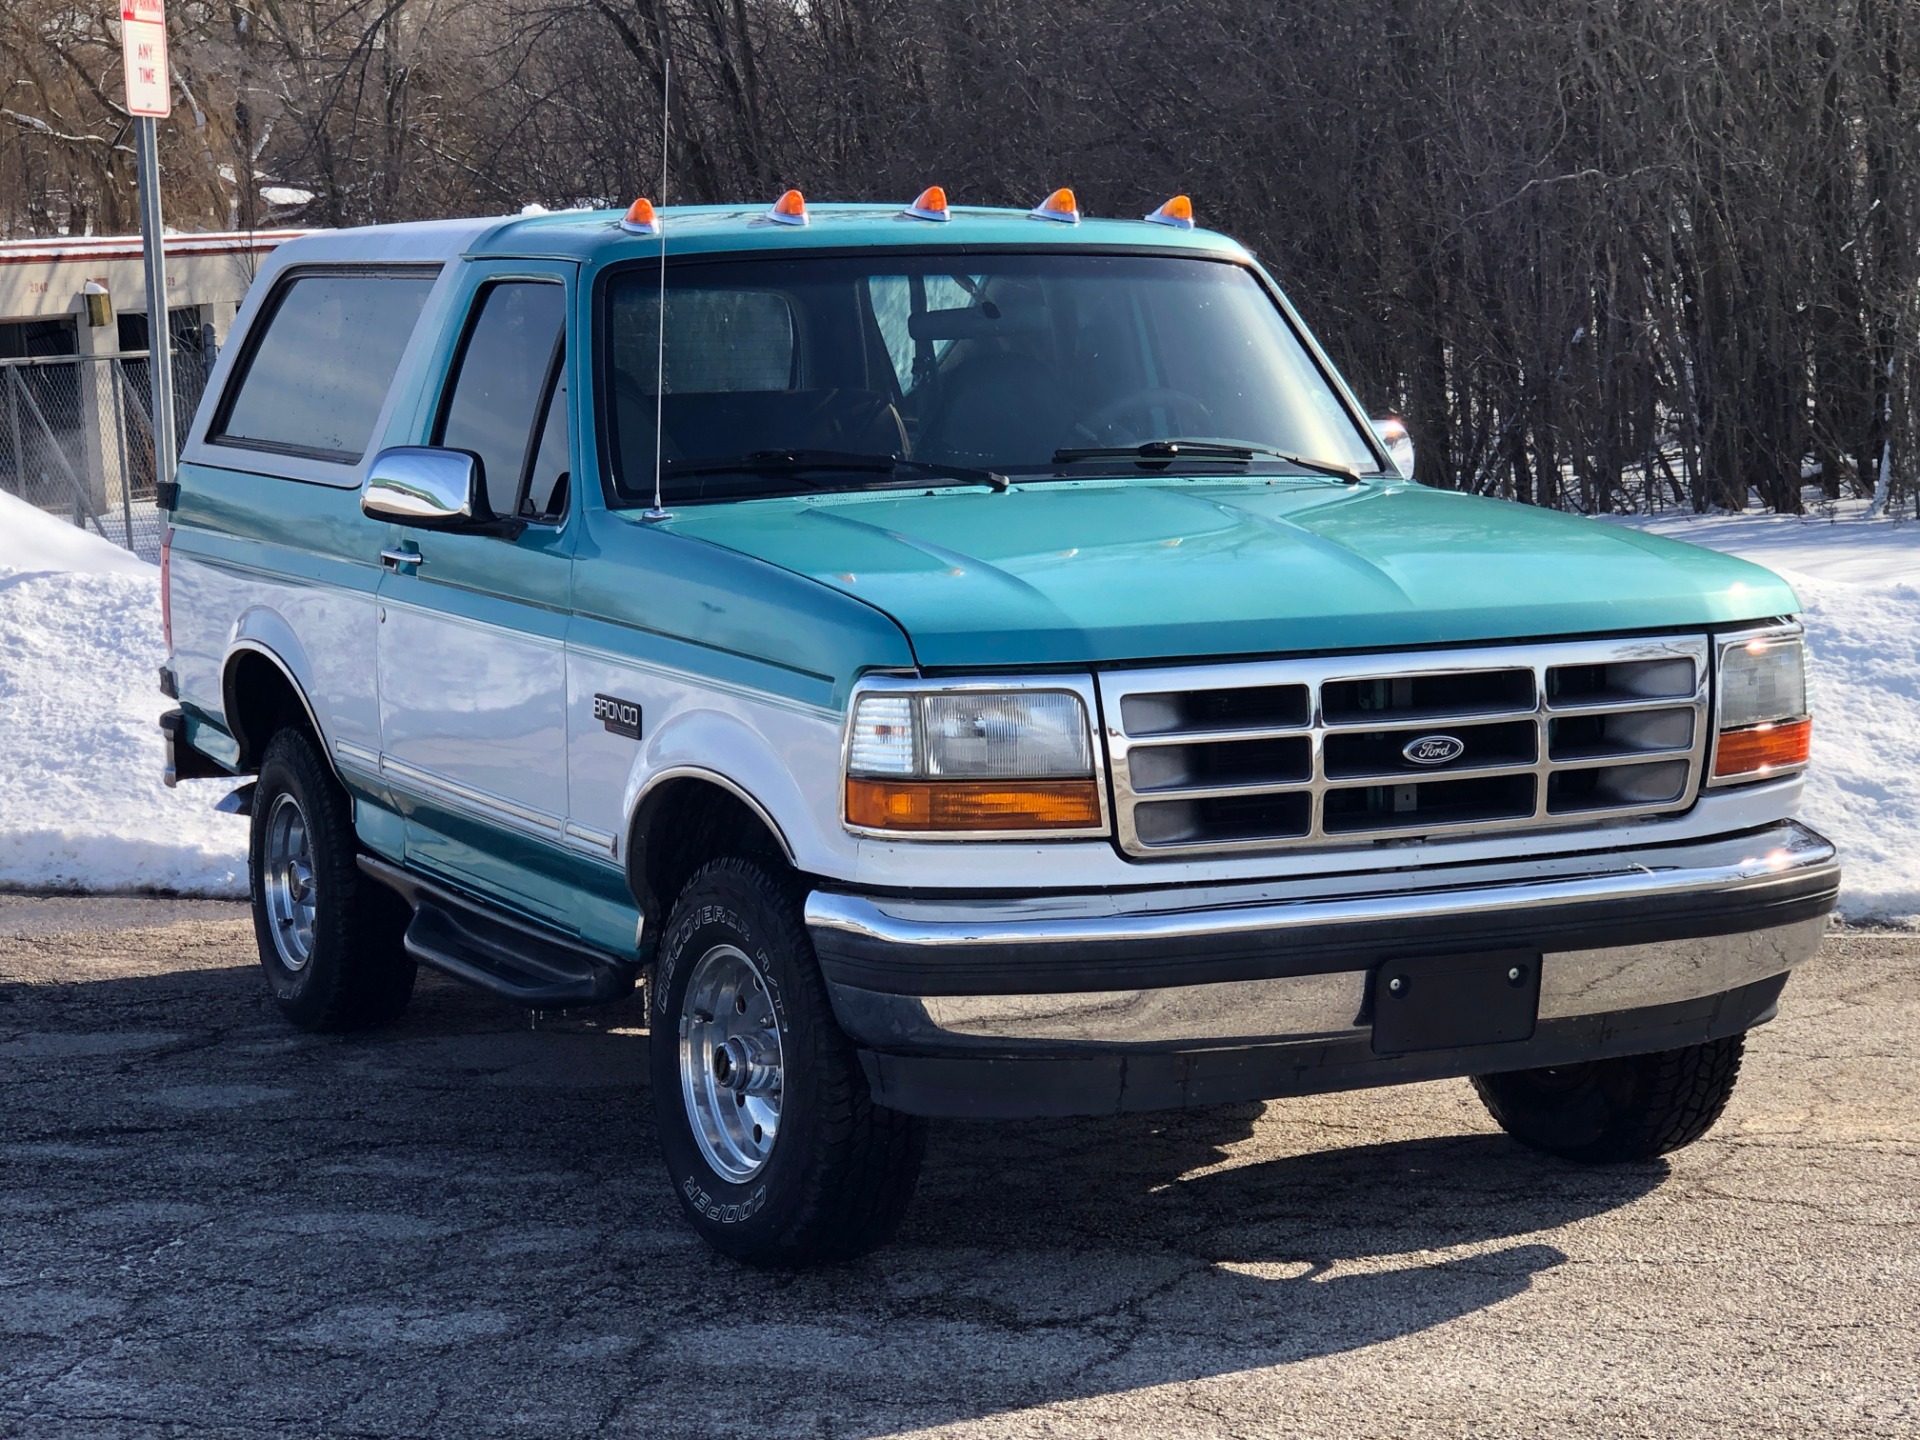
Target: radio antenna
[658,512]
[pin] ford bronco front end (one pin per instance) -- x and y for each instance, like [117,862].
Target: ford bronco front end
[962,663]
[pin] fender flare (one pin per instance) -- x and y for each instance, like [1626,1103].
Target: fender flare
[256,633]
[683,750]
[658,781]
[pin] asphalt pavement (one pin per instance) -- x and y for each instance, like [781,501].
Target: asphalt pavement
[213,1226]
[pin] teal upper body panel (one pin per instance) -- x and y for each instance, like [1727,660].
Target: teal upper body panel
[642,592]
[1086,572]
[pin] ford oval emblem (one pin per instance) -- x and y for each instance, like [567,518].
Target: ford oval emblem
[1434,749]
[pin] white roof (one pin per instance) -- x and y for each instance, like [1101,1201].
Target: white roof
[416,242]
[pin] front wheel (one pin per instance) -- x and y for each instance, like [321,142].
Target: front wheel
[1636,1107]
[771,1138]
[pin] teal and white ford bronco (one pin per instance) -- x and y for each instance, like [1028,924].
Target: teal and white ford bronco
[960,662]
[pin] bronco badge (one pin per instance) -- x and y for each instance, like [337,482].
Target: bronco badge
[622,717]
[1434,749]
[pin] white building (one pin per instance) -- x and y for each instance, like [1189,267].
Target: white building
[43,309]
[74,436]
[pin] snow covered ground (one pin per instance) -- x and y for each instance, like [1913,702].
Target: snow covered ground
[81,803]
[82,806]
[1859,580]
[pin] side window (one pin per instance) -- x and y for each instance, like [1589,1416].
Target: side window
[315,378]
[503,375]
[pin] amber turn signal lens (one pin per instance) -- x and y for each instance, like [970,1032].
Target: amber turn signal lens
[1762,749]
[941,805]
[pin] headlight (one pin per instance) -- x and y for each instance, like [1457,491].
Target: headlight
[1764,725]
[1762,680]
[972,762]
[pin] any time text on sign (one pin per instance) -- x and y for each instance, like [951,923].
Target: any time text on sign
[143,48]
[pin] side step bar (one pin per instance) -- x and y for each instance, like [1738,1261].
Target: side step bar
[515,959]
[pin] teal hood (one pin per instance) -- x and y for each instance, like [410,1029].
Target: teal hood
[1085,572]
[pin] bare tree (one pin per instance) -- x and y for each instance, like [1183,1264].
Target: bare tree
[1603,254]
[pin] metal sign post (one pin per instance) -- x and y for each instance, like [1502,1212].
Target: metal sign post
[143,48]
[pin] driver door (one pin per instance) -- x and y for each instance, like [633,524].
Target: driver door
[472,628]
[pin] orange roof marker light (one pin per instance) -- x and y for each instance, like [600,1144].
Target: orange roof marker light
[1177,212]
[640,218]
[932,205]
[789,209]
[1060,205]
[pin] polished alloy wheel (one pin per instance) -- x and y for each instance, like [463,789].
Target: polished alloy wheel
[730,1063]
[289,882]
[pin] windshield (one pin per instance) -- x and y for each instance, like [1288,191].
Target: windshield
[1001,363]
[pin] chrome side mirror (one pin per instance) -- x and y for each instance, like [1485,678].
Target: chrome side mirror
[430,488]
[1392,432]
[419,485]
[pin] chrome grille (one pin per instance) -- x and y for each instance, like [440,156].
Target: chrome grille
[1284,754]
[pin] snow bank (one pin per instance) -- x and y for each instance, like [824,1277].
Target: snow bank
[1859,580]
[81,803]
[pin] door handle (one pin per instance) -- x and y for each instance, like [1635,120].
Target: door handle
[394,559]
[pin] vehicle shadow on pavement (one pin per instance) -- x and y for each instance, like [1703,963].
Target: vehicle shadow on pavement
[1126,1254]
[434,1225]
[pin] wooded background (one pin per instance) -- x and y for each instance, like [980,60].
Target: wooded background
[1603,254]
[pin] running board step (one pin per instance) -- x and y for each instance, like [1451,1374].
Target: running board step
[515,959]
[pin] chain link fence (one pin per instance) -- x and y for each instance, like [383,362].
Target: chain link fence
[76,439]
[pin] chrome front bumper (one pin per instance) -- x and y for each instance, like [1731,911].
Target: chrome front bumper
[1300,1007]
[1290,963]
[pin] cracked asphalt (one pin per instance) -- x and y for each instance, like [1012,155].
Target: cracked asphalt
[212,1226]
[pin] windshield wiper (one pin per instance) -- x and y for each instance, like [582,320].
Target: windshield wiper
[1162,452]
[797,462]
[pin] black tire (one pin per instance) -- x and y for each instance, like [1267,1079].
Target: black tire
[1637,1107]
[346,969]
[836,1178]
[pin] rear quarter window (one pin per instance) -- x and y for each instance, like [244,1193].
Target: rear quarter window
[319,363]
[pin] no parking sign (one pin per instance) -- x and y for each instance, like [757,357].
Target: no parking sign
[143,49]
[143,53]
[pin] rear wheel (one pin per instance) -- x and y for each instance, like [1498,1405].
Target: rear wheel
[329,937]
[1635,1107]
[773,1142]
